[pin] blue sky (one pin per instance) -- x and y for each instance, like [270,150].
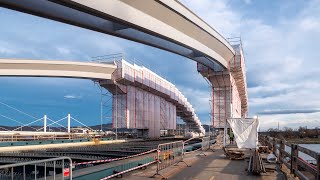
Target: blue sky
[280,41]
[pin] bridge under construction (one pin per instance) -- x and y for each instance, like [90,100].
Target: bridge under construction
[141,99]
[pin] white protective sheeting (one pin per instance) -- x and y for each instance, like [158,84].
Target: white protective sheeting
[245,132]
[150,102]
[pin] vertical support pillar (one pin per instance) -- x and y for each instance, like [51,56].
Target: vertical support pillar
[69,118]
[45,123]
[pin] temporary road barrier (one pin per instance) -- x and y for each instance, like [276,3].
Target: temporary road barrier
[44,173]
[169,154]
[205,145]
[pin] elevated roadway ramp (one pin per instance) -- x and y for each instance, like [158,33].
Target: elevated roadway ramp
[164,24]
[45,68]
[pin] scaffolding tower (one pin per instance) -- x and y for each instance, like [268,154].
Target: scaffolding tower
[229,89]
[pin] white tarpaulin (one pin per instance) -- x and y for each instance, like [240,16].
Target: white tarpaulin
[245,132]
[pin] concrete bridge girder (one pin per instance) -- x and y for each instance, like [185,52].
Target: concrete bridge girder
[67,69]
[164,24]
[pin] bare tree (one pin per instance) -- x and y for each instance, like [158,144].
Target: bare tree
[288,132]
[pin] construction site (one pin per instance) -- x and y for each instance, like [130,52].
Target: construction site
[148,128]
[229,97]
[144,101]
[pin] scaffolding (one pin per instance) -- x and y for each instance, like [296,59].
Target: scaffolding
[145,101]
[229,89]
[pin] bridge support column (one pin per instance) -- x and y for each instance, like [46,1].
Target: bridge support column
[69,118]
[45,123]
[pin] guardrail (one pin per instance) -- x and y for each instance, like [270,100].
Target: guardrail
[43,142]
[169,154]
[11,174]
[32,137]
[205,145]
[291,159]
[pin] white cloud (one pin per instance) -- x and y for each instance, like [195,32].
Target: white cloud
[199,98]
[309,24]
[289,120]
[5,49]
[72,97]
[63,50]
[281,55]
[247,1]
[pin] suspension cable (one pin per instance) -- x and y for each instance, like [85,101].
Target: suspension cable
[54,122]
[15,121]
[18,110]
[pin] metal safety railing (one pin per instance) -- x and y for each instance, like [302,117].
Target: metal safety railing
[18,170]
[169,154]
[165,155]
[290,157]
[18,137]
[205,145]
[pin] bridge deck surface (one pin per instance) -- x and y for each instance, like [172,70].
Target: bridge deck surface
[214,166]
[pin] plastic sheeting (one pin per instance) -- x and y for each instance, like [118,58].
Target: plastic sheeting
[225,96]
[245,132]
[229,89]
[150,102]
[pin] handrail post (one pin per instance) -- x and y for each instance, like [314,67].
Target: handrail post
[274,146]
[294,159]
[281,149]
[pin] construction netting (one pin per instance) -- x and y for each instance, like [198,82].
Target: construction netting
[229,89]
[238,70]
[149,102]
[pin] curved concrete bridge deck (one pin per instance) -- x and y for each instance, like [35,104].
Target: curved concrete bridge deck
[164,24]
[48,68]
